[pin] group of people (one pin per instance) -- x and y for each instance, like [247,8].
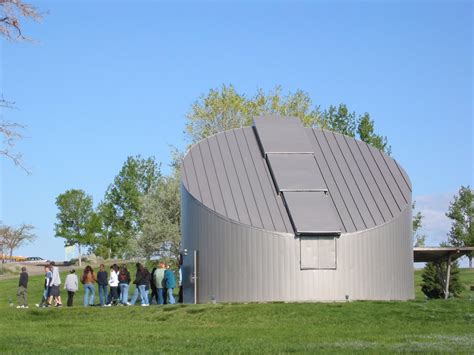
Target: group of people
[151,287]
[51,287]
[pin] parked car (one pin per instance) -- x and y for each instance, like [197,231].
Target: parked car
[36,260]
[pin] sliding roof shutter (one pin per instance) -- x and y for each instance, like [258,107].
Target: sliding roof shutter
[296,175]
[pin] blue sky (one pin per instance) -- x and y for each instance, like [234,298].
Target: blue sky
[105,80]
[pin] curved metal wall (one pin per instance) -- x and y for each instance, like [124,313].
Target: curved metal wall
[239,263]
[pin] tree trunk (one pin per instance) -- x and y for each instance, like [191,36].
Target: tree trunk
[109,253]
[79,252]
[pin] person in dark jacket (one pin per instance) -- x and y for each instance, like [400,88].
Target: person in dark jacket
[22,289]
[124,284]
[142,282]
[103,282]
[170,283]
[153,295]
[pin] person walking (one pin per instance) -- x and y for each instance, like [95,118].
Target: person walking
[71,285]
[88,279]
[170,284]
[124,284]
[153,295]
[113,283]
[54,292]
[159,277]
[103,283]
[142,280]
[47,282]
[22,292]
[180,278]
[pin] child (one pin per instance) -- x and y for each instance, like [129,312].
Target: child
[22,289]
[47,283]
[71,286]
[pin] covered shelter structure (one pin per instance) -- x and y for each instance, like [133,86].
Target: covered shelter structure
[440,255]
[281,212]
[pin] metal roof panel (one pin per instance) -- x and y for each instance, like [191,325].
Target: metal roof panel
[311,213]
[281,135]
[296,172]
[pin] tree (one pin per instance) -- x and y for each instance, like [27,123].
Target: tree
[161,219]
[461,212]
[418,239]
[12,238]
[365,130]
[77,221]
[121,209]
[434,280]
[225,109]
[12,12]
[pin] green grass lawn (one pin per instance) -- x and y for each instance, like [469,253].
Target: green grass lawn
[419,325]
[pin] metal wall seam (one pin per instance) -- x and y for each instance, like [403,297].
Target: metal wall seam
[341,187]
[370,180]
[265,181]
[244,180]
[255,184]
[212,178]
[347,194]
[351,183]
[363,178]
[374,170]
[224,183]
[399,180]
[193,180]
[334,192]
[203,183]
[359,182]
[388,178]
[234,182]
[404,175]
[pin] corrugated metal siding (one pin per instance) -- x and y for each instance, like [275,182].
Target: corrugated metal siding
[238,263]
[228,174]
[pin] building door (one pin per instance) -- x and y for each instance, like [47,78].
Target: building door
[190,276]
[318,253]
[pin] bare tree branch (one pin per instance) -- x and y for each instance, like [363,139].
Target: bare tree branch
[11,12]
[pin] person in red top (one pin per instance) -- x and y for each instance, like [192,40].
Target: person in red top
[88,279]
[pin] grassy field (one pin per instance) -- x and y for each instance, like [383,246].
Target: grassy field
[420,325]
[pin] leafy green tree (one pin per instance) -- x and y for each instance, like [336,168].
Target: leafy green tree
[339,119]
[366,132]
[433,280]
[461,212]
[161,219]
[418,239]
[77,222]
[121,209]
[225,108]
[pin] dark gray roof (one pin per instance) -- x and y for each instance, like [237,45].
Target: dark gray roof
[282,177]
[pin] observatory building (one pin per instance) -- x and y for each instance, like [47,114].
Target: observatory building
[280,212]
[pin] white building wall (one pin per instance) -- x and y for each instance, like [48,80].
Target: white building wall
[239,263]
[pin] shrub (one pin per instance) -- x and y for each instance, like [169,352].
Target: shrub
[433,286]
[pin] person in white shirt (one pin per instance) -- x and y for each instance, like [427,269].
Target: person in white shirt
[54,285]
[113,283]
[71,286]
